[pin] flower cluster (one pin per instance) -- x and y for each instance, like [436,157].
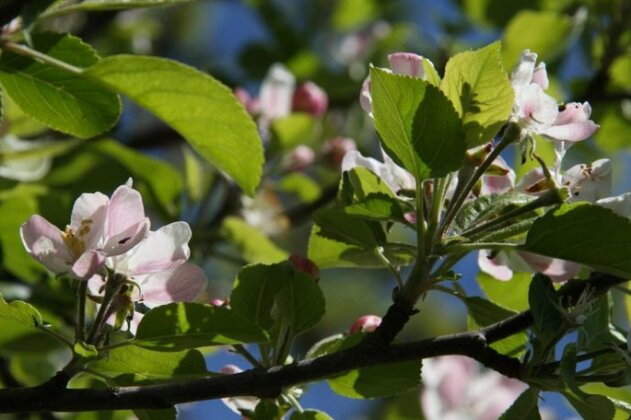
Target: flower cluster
[109,238]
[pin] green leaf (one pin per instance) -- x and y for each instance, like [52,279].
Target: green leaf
[197,175]
[337,225]
[302,185]
[179,326]
[17,319]
[310,415]
[293,130]
[595,332]
[613,394]
[511,294]
[201,109]
[255,289]
[480,90]
[58,98]
[85,351]
[592,407]
[327,252]
[483,313]
[131,365]
[357,183]
[351,14]
[377,206]
[299,303]
[252,244]
[488,207]
[550,37]
[65,7]
[526,407]
[418,126]
[586,234]
[266,409]
[544,301]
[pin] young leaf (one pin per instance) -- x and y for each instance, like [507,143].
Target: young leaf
[165,414]
[131,365]
[255,289]
[595,331]
[299,303]
[591,407]
[418,126]
[543,301]
[310,415]
[377,206]
[488,207]
[337,225]
[526,407]
[586,234]
[201,109]
[17,319]
[253,245]
[178,326]
[478,86]
[58,98]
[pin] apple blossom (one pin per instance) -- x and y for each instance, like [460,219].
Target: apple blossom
[156,269]
[455,388]
[99,227]
[335,149]
[276,93]
[299,158]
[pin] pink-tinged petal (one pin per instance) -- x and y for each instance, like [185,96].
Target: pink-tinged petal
[537,110]
[366,323]
[87,264]
[454,384]
[96,285]
[161,250]
[88,218]
[494,265]
[181,284]
[401,178]
[558,270]
[620,204]
[250,104]
[365,100]
[310,98]
[534,182]
[574,112]
[44,242]
[126,224]
[407,64]
[277,91]
[589,182]
[496,184]
[540,76]
[522,74]
[128,325]
[572,132]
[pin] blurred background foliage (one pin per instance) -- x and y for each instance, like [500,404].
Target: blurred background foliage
[586,45]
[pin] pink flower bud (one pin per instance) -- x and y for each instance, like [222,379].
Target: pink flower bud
[408,64]
[230,369]
[410,216]
[305,265]
[367,323]
[310,98]
[219,302]
[299,158]
[335,149]
[247,101]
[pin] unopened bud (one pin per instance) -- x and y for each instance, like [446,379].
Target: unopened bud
[408,64]
[310,98]
[335,149]
[367,323]
[220,302]
[250,104]
[230,369]
[305,265]
[299,158]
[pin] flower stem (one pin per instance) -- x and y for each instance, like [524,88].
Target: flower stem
[112,286]
[56,336]
[82,291]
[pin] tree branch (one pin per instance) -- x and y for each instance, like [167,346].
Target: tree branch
[268,383]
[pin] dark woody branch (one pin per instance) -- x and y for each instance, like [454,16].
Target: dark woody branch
[375,349]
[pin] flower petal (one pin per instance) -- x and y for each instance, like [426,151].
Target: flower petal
[44,242]
[495,266]
[540,76]
[88,218]
[181,284]
[161,250]
[572,132]
[522,74]
[87,264]
[277,91]
[126,224]
[558,270]
[620,204]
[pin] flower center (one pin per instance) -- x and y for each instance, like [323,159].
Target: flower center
[75,240]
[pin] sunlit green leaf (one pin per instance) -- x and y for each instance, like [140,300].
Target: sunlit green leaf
[252,244]
[204,111]
[65,7]
[478,86]
[58,98]
[526,407]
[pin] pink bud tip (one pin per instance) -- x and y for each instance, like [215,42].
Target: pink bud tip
[310,98]
[219,302]
[305,265]
[335,149]
[230,369]
[300,158]
[246,100]
[367,323]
